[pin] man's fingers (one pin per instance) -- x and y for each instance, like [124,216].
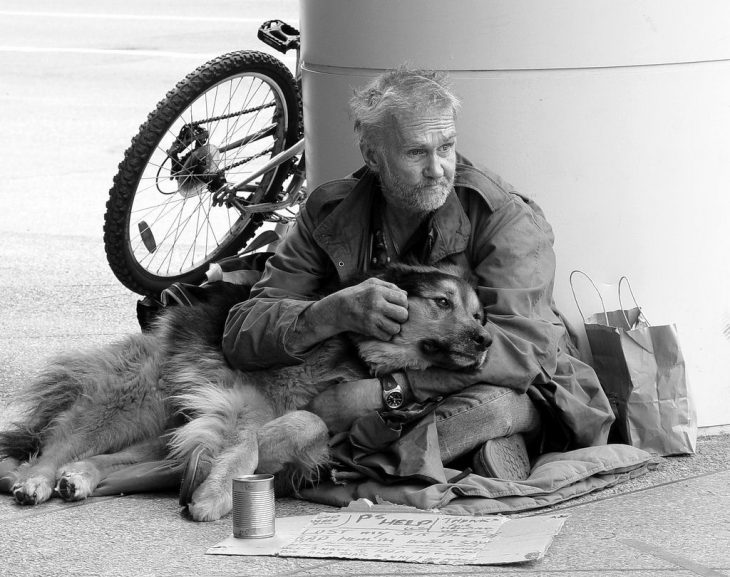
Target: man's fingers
[397,297]
[395,294]
[385,329]
[380,306]
[396,313]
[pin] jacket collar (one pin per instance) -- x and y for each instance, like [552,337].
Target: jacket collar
[450,227]
[345,233]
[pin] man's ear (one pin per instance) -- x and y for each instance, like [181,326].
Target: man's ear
[370,156]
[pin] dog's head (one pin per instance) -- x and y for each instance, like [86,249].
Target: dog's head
[445,326]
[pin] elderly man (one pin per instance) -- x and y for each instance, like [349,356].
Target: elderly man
[416,198]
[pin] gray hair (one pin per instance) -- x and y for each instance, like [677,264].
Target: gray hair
[374,106]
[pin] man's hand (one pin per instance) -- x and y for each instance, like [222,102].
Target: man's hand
[373,308]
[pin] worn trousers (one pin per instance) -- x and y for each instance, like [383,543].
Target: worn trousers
[468,419]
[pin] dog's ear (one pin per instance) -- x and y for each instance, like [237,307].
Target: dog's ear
[411,276]
[407,277]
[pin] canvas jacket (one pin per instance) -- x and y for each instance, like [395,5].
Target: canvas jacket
[484,224]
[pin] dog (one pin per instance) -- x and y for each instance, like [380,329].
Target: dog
[169,392]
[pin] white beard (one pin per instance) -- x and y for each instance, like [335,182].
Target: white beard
[419,198]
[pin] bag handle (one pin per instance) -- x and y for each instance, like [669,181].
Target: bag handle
[620,303]
[575,298]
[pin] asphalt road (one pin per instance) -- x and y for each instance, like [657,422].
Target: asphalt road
[75,84]
[76,81]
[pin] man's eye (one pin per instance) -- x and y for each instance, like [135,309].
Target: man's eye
[442,302]
[447,147]
[415,152]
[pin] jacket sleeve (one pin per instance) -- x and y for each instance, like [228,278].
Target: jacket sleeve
[257,330]
[511,252]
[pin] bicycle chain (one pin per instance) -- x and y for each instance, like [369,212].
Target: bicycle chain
[232,114]
[245,160]
[198,123]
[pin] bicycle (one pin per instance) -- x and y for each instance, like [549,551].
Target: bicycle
[221,154]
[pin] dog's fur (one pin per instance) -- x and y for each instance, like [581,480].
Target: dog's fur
[164,393]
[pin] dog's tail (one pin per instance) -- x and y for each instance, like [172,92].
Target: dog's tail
[54,391]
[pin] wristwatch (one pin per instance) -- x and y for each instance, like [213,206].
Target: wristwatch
[394,390]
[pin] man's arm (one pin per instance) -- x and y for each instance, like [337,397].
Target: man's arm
[283,319]
[256,329]
[373,308]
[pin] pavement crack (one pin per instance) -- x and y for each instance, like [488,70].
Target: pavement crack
[673,558]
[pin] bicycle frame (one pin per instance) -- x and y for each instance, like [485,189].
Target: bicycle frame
[281,37]
[292,196]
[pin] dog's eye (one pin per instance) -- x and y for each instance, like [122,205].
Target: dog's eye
[442,302]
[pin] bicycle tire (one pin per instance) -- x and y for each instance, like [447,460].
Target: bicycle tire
[149,255]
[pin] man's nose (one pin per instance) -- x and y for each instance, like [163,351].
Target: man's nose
[434,168]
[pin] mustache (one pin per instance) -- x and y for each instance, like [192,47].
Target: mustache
[442,182]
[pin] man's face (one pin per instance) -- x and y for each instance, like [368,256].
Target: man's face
[418,160]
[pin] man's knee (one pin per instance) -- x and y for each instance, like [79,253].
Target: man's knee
[481,403]
[466,420]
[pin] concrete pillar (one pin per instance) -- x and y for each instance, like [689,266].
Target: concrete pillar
[613,115]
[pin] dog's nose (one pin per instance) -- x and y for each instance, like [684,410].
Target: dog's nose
[482,339]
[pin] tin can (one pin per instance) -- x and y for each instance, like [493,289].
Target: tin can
[253,506]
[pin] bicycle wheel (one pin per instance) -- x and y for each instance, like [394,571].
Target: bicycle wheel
[218,125]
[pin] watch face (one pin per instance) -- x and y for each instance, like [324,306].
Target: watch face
[394,399]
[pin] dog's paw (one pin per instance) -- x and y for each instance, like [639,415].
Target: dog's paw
[74,487]
[77,481]
[209,503]
[32,491]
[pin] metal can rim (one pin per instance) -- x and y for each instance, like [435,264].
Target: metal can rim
[257,478]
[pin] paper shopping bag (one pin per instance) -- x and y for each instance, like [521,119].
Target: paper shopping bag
[642,370]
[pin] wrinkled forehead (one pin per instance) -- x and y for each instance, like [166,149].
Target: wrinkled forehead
[410,127]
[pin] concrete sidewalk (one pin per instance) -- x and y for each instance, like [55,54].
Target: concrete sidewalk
[673,521]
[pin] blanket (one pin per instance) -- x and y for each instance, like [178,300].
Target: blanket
[555,477]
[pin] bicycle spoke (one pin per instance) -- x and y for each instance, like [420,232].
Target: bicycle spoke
[175,229]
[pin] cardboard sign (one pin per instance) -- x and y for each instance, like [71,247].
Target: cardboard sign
[405,537]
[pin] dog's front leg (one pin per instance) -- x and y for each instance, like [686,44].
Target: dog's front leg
[214,498]
[299,439]
[79,479]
